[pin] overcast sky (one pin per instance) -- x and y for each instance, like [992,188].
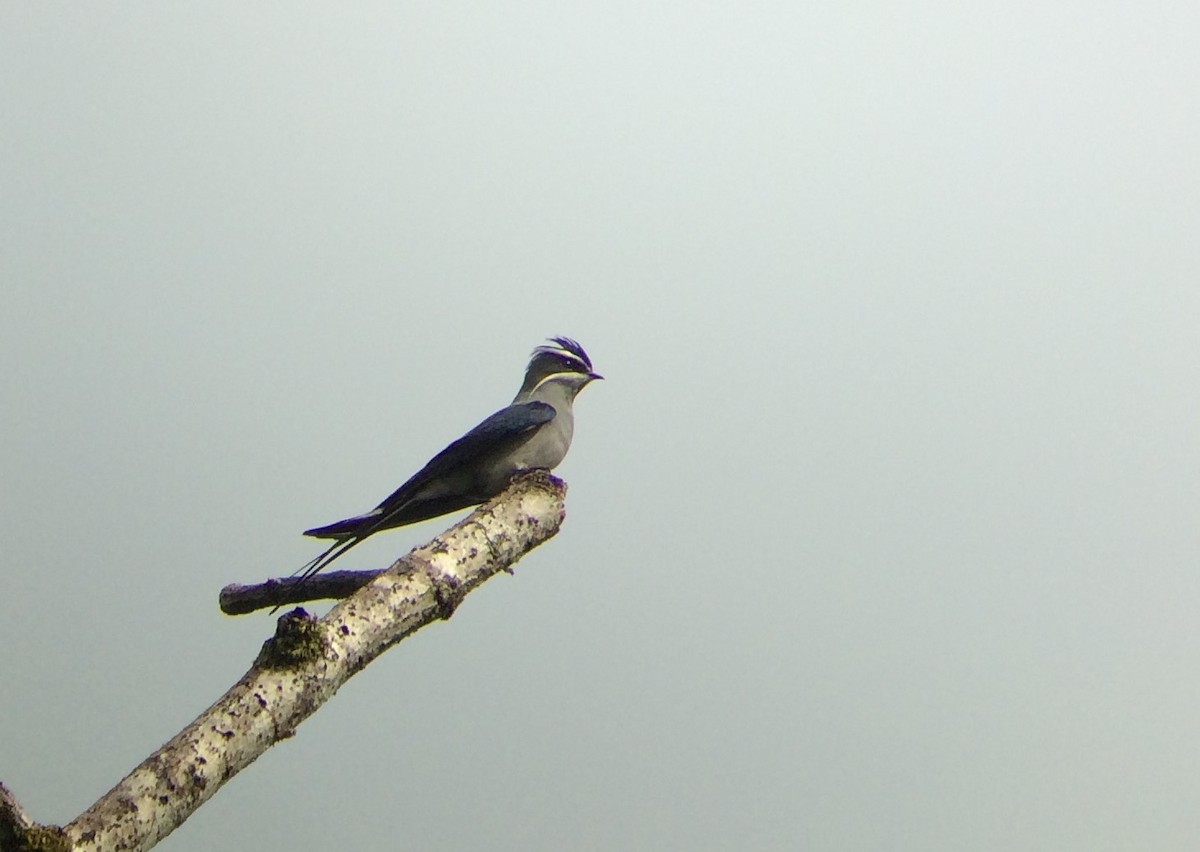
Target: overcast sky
[882,533]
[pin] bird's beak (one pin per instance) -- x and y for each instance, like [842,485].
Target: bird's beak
[594,376]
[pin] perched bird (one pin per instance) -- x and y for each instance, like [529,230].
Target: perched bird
[533,432]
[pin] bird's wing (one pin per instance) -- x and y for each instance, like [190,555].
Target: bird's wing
[346,527]
[507,428]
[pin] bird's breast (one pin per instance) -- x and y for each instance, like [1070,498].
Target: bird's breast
[546,448]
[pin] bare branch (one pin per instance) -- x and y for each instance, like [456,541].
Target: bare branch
[308,660]
[237,599]
[12,815]
[19,833]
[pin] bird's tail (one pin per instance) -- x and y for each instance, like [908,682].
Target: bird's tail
[310,568]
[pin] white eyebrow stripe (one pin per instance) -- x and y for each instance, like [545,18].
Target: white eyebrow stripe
[571,356]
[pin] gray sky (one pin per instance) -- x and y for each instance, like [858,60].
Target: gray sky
[882,533]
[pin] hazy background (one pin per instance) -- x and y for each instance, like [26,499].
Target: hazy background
[882,533]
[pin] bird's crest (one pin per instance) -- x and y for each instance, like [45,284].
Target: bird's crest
[566,352]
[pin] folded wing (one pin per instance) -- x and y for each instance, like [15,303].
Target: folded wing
[452,479]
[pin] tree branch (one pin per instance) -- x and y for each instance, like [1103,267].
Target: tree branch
[19,833]
[308,660]
[237,599]
[12,816]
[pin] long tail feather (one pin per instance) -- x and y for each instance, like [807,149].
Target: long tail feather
[311,567]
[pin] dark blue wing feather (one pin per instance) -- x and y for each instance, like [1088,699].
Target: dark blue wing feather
[503,430]
[411,502]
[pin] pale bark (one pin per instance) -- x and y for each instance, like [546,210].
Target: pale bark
[309,659]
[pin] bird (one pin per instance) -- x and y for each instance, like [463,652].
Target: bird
[533,432]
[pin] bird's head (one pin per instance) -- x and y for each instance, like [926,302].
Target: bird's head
[562,362]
